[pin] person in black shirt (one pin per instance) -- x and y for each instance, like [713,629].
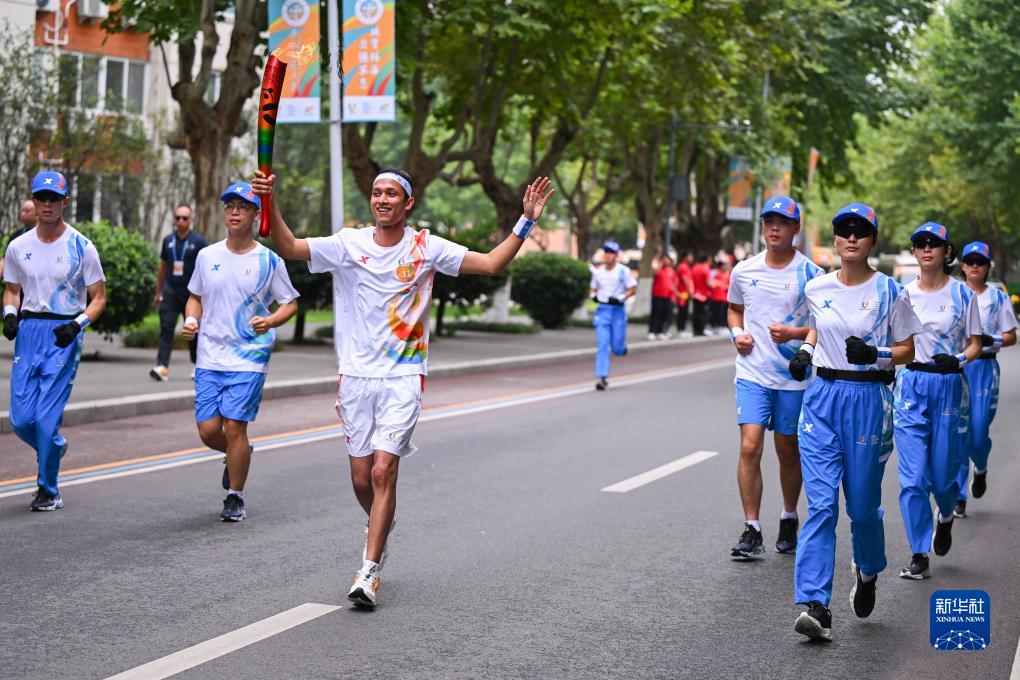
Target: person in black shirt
[176,265]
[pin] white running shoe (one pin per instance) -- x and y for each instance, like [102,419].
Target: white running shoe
[386,546]
[364,591]
[653,336]
[160,373]
[664,336]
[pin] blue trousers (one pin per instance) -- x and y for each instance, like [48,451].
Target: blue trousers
[611,334]
[928,427]
[41,381]
[845,435]
[983,388]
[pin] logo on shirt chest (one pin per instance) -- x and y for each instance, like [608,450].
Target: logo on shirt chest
[215,268]
[405,269]
[60,259]
[868,305]
[28,256]
[364,259]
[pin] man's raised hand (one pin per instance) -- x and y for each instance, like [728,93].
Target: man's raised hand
[261,184]
[535,197]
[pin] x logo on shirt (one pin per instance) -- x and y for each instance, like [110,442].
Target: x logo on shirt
[827,304]
[28,256]
[754,283]
[215,267]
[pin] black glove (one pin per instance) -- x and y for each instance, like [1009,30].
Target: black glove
[946,363]
[66,333]
[987,340]
[10,326]
[595,298]
[615,301]
[860,352]
[799,365]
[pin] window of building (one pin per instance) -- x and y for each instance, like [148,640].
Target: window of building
[101,83]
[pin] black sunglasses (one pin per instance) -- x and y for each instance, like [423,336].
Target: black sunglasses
[855,228]
[975,262]
[48,197]
[929,242]
[182,218]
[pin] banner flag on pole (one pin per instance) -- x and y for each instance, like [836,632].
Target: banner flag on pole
[294,39]
[738,190]
[369,60]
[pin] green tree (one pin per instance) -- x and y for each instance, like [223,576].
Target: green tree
[466,289]
[129,263]
[549,286]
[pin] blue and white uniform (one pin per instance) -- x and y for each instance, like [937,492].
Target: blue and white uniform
[930,409]
[54,278]
[232,358]
[845,430]
[610,321]
[982,376]
[766,393]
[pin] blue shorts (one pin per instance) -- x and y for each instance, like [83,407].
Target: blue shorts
[231,394]
[777,410]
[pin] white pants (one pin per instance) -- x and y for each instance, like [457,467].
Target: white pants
[379,414]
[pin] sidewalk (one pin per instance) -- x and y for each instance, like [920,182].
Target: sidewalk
[113,381]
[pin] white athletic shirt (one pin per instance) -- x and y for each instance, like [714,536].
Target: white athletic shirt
[770,296]
[997,315]
[877,311]
[53,276]
[386,293]
[949,315]
[234,288]
[613,282]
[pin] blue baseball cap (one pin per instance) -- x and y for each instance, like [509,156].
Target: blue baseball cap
[865,212]
[783,206]
[49,180]
[930,229]
[243,191]
[611,246]
[977,248]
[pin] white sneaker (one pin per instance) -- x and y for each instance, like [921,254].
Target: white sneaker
[664,336]
[192,374]
[386,546]
[652,336]
[161,373]
[685,334]
[364,591]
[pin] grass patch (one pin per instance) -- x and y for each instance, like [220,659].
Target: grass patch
[451,327]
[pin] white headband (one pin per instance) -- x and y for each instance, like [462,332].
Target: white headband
[396,178]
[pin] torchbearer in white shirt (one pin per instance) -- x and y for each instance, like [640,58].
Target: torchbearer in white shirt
[931,397]
[235,282]
[385,276]
[768,319]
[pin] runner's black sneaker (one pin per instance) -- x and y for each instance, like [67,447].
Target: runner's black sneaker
[750,544]
[233,508]
[862,595]
[816,622]
[787,541]
[917,569]
[45,502]
[601,384]
[960,509]
[979,484]
[942,541]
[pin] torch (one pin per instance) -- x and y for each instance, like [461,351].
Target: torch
[269,103]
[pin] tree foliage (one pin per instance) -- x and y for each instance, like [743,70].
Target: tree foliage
[129,264]
[549,286]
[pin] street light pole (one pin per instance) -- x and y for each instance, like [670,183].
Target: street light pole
[671,190]
[336,168]
[756,230]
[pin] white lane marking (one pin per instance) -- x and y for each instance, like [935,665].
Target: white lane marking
[1015,673]
[226,643]
[438,414]
[662,471]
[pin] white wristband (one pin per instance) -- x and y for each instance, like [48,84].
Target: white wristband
[191,320]
[884,356]
[997,341]
[810,349]
[10,309]
[523,227]
[962,358]
[83,321]
[736,332]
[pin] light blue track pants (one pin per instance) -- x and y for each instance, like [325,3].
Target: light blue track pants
[983,388]
[845,435]
[928,424]
[41,381]
[611,334]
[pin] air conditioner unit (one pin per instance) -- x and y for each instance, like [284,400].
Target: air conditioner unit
[47,5]
[92,10]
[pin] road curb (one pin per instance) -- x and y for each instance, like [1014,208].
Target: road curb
[100,410]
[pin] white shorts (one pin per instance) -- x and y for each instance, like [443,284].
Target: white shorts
[379,414]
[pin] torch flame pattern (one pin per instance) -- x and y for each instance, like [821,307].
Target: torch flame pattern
[408,310]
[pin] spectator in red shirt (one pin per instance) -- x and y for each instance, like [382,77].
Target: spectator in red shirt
[664,295]
[700,294]
[720,286]
[686,286]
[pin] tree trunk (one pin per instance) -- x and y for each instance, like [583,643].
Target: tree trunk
[210,163]
[440,312]
[299,326]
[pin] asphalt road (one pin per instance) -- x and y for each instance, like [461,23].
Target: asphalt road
[509,560]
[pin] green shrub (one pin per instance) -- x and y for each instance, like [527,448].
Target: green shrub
[549,286]
[129,263]
[147,337]
[492,327]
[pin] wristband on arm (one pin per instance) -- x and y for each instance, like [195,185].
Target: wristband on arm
[884,356]
[523,227]
[83,321]
[962,358]
[810,349]
[191,319]
[997,341]
[736,332]
[10,309]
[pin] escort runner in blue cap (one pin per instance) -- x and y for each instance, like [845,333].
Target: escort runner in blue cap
[768,317]
[234,283]
[930,414]
[862,326]
[59,271]
[998,329]
[611,284]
